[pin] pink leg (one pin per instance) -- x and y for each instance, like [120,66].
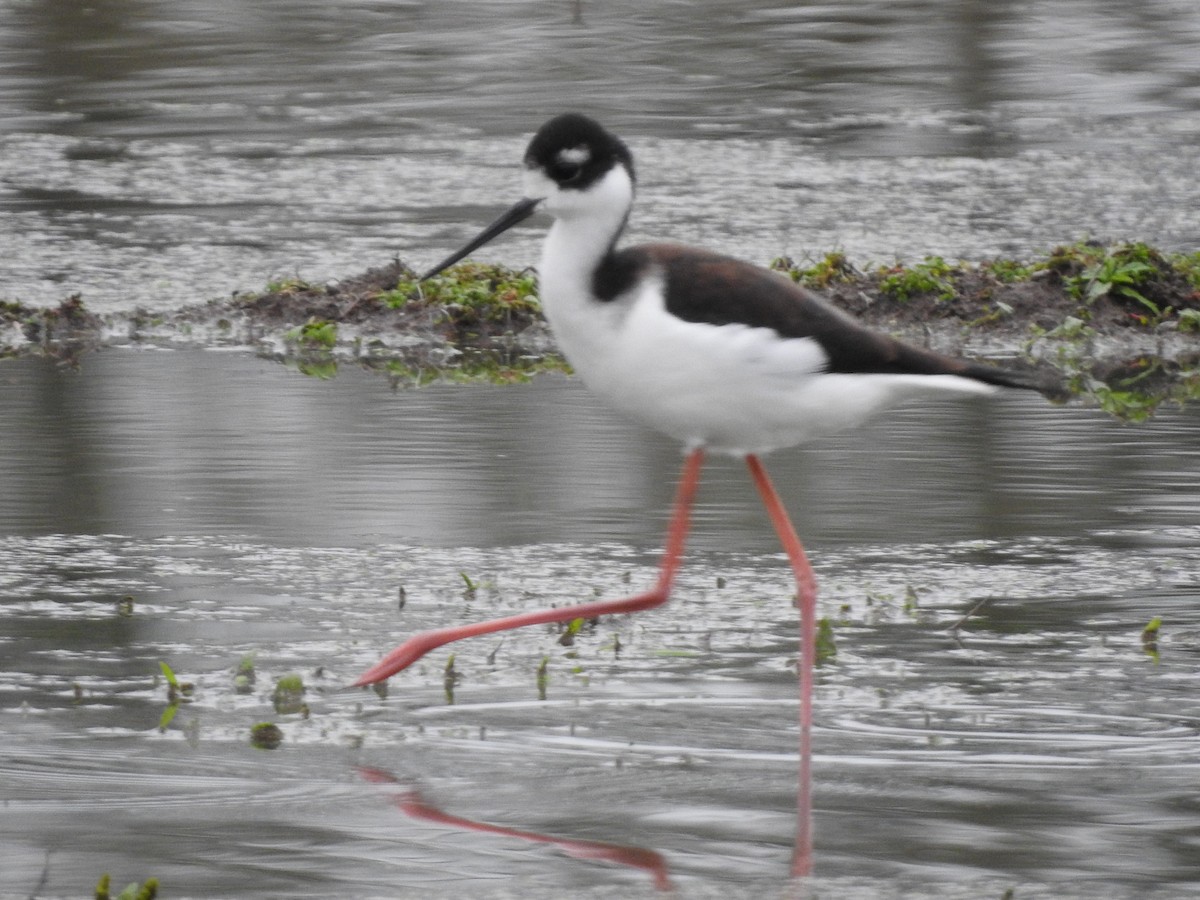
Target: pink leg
[806,599]
[420,644]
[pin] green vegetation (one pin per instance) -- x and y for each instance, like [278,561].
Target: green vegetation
[470,586]
[288,696]
[932,275]
[1150,285]
[471,367]
[470,292]
[479,322]
[830,269]
[177,692]
[826,642]
[315,334]
[266,735]
[244,675]
[1150,637]
[567,638]
[134,891]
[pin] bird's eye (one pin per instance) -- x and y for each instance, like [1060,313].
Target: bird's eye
[569,163]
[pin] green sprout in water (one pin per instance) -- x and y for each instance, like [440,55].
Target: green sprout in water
[315,334]
[177,692]
[244,675]
[543,677]
[1150,637]
[826,643]
[567,639]
[147,891]
[266,735]
[289,695]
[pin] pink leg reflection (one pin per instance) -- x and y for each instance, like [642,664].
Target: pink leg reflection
[409,802]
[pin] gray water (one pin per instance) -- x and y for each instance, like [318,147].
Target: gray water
[159,154]
[248,510]
[1006,731]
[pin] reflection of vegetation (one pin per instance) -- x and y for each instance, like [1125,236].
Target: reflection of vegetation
[450,680]
[244,676]
[481,323]
[315,334]
[1150,637]
[543,677]
[177,692]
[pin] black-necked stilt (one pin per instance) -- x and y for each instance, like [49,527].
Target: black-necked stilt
[717,353]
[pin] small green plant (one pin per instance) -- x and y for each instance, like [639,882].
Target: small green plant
[470,587]
[177,692]
[471,291]
[289,695]
[830,269]
[1129,405]
[1008,271]
[1118,273]
[1188,321]
[930,276]
[826,642]
[315,334]
[543,677]
[1150,637]
[292,285]
[244,675]
[1188,265]
[265,735]
[567,638]
[134,891]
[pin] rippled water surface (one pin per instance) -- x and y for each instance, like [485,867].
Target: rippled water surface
[249,510]
[992,720]
[159,154]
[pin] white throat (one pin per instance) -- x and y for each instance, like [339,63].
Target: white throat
[586,225]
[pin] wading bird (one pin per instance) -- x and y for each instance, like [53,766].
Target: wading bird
[721,355]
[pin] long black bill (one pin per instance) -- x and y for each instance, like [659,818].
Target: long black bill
[518,212]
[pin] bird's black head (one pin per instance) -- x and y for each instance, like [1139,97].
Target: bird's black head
[575,151]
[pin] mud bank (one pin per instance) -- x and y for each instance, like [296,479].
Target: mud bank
[1118,323]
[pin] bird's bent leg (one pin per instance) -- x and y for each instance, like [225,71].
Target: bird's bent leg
[806,600]
[420,644]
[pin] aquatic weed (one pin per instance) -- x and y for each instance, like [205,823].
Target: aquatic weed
[929,276]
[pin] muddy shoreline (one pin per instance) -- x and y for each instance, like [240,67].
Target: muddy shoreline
[1118,323]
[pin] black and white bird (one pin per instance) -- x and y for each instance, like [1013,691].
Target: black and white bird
[719,354]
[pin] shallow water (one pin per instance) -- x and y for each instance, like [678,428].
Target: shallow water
[159,154]
[250,510]
[162,154]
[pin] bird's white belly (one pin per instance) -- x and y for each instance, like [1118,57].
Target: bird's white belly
[730,388]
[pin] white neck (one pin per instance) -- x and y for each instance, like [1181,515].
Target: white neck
[586,225]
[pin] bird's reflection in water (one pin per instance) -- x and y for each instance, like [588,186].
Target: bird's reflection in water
[409,802]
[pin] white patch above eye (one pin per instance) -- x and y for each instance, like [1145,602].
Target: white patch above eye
[574,156]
